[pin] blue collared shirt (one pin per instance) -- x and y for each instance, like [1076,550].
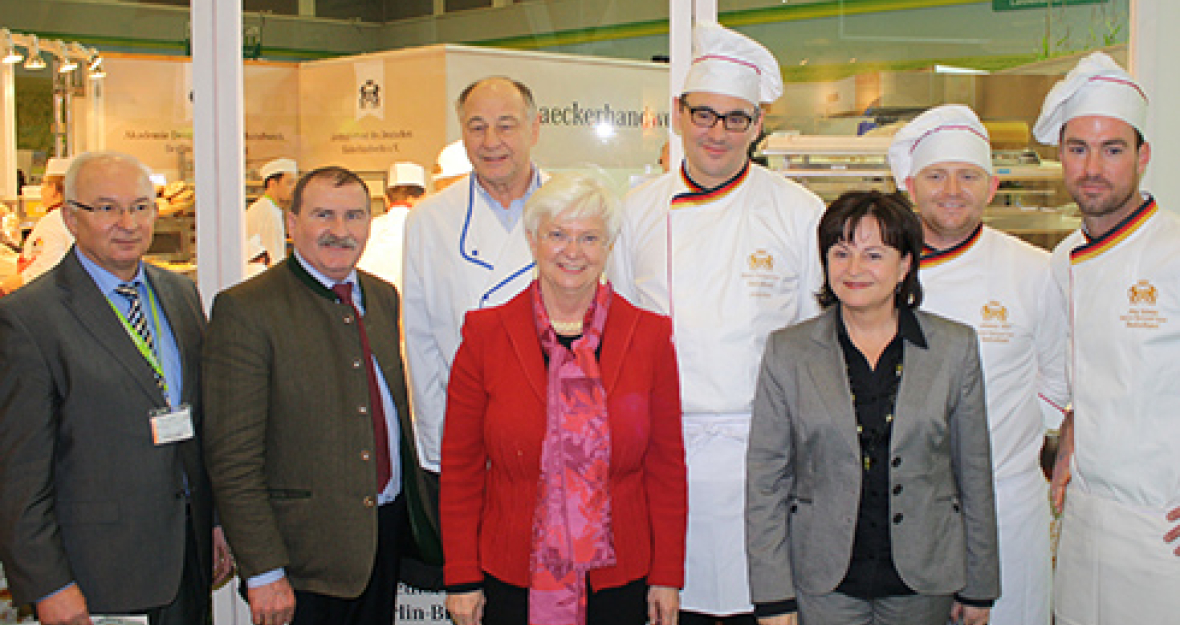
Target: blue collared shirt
[394,487]
[509,215]
[167,351]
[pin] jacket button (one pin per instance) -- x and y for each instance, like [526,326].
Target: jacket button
[897,489]
[365,455]
[347,319]
[955,506]
[363,409]
[897,518]
[794,508]
[370,501]
[356,364]
[896,462]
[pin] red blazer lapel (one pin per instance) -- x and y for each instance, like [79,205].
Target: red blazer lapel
[621,322]
[521,327]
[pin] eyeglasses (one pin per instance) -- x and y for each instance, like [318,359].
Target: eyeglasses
[705,117]
[561,239]
[114,211]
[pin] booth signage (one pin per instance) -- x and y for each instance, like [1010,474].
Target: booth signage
[1016,5]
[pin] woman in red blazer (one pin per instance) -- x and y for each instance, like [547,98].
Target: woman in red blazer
[563,479]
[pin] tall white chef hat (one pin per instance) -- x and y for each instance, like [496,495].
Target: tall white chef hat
[452,161]
[730,63]
[57,166]
[947,133]
[406,175]
[1097,86]
[278,166]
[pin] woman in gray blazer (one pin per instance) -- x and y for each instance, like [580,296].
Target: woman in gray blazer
[869,495]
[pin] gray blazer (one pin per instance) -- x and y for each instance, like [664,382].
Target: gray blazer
[804,471]
[85,495]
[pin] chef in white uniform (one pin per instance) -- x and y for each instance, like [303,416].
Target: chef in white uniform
[49,240]
[1119,558]
[728,249]
[465,247]
[264,218]
[1000,286]
[383,255]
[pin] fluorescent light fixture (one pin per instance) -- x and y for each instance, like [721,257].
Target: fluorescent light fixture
[951,69]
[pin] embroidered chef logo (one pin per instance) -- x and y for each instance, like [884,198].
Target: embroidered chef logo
[760,278]
[761,260]
[995,311]
[1141,310]
[994,326]
[1142,293]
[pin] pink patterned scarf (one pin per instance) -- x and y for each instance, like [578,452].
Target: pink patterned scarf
[572,524]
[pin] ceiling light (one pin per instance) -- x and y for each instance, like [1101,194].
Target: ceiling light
[11,56]
[34,61]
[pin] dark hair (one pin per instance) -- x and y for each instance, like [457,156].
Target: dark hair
[275,177]
[402,193]
[338,176]
[525,93]
[900,229]
[1139,139]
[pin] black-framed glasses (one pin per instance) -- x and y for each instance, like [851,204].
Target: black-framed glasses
[114,211]
[705,117]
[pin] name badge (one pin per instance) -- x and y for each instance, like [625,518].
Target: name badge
[172,425]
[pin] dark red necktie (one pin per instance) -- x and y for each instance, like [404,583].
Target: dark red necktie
[343,290]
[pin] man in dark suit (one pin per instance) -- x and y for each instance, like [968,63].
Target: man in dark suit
[105,505]
[310,445]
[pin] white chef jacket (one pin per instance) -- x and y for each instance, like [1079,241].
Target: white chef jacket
[265,219]
[729,265]
[1124,308]
[1000,286]
[45,246]
[383,253]
[458,257]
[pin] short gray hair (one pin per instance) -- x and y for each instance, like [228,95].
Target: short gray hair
[573,196]
[83,160]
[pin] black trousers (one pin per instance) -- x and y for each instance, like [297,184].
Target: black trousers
[696,618]
[376,605]
[623,605]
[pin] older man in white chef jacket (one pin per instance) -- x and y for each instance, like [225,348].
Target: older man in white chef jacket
[728,249]
[1119,558]
[465,247]
[1000,286]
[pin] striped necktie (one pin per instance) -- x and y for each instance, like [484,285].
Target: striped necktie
[138,322]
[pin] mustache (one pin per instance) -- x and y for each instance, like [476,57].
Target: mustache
[1093,180]
[328,239]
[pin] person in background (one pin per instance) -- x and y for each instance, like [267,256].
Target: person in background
[563,482]
[465,247]
[49,240]
[105,506]
[727,249]
[1001,287]
[309,440]
[383,255]
[1118,559]
[451,166]
[265,217]
[870,481]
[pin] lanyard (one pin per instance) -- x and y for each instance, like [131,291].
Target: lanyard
[144,350]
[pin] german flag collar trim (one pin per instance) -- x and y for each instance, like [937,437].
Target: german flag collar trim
[932,257]
[698,195]
[1096,246]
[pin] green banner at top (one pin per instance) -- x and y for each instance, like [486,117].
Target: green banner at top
[1016,5]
